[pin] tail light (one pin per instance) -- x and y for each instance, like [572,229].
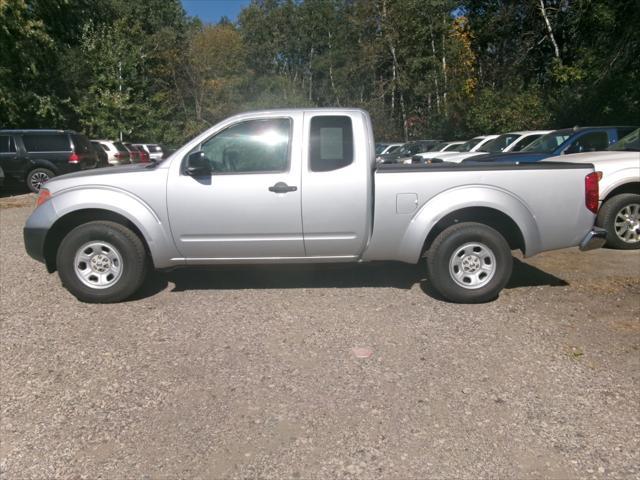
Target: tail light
[43,196]
[591,191]
[74,158]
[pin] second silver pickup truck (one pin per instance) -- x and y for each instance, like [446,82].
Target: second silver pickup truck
[302,186]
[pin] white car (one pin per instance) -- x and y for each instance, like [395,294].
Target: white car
[507,142]
[467,149]
[117,153]
[384,148]
[512,141]
[619,211]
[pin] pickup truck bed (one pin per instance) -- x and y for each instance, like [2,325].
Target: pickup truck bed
[433,189]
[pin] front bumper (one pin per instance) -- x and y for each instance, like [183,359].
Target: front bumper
[34,242]
[596,238]
[36,229]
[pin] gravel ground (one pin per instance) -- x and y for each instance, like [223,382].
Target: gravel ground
[249,373]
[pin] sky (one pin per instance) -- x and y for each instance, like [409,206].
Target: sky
[210,11]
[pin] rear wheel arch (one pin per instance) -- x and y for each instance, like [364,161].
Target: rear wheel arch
[68,222]
[493,206]
[41,163]
[499,221]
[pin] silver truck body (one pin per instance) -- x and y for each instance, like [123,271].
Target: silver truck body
[354,213]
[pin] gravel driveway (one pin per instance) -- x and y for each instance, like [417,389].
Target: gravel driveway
[249,373]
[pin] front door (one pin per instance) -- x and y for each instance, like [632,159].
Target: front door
[249,208]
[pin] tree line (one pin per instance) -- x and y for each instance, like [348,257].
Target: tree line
[422,68]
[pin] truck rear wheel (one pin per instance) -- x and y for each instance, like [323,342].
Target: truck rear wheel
[620,217]
[101,262]
[469,263]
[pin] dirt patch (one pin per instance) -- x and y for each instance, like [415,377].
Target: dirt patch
[17,201]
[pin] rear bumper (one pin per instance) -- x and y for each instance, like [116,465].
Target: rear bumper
[596,238]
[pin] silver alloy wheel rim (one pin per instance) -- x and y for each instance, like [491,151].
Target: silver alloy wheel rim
[38,179]
[98,264]
[472,265]
[627,223]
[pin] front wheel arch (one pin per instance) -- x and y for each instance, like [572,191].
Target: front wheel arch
[65,224]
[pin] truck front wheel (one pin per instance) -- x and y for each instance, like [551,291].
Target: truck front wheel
[101,262]
[469,263]
[620,217]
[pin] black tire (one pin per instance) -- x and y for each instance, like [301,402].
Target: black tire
[38,177]
[495,253]
[129,247]
[607,219]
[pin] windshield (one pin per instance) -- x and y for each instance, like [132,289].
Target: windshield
[380,148]
[408,149]
[456,148]
[548,143]
[120,147]
[393,148]
[629,143]
[498,144]
[467,146]
[450,147]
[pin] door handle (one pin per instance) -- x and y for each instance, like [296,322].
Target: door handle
[282,187]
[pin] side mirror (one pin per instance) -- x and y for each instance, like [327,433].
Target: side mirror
[197,165]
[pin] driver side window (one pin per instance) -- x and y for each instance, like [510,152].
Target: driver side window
[258,146]
[589,142]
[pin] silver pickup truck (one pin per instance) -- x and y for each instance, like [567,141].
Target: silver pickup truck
[302,186]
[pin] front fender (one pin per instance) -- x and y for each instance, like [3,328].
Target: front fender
[617,179]
[459,198]
[156,233]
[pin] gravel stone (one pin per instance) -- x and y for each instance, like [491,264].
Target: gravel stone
[246,372]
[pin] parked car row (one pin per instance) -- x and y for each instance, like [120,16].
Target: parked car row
[34,156]
[614,150]
[520,146]
[122,153]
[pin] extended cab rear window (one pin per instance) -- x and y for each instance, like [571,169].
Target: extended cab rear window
[46,142]
[331,143]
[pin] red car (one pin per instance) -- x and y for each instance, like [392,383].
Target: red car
[138,154]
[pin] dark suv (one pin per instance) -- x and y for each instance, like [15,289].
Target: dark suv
[35,156]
